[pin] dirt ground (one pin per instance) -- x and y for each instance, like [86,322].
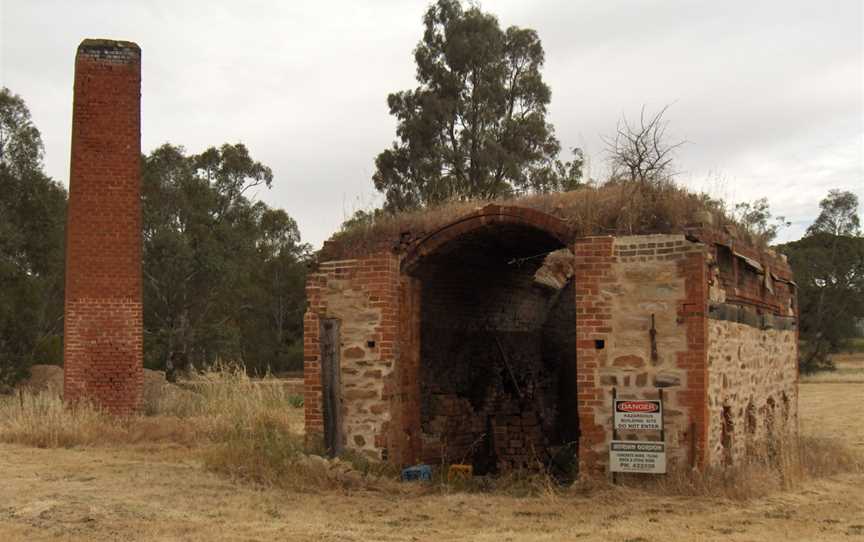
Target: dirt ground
[164,494]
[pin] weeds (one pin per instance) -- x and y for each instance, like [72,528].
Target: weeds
[252,432]
[796,461]
[41,419]
[213,404]
[613,207]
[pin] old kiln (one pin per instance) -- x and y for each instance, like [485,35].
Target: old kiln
[496,339]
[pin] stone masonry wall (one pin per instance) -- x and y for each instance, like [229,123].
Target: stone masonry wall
[752,351]
[621,282]
[363,295]
[102,348]
[752,389]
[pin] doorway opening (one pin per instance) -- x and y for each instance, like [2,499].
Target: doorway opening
[497,371]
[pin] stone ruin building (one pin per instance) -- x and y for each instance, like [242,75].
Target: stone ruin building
[496,340]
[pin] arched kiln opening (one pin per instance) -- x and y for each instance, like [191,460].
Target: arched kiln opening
[497,371]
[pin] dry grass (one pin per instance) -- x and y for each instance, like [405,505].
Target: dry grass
[153,492]
[794,465]
[224,400]
[269,455]
[253,433]
[246,429]
[798,462]
[848,367]
[39,418]
[620,208]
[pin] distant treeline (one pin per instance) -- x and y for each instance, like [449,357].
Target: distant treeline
[223,275]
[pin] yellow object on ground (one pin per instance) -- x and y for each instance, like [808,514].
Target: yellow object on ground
[460,472]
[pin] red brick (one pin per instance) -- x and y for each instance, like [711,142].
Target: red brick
[103,312]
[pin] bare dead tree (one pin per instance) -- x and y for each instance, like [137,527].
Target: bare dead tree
[641,153]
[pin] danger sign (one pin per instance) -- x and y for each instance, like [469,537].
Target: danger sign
[632,456]
[638,415]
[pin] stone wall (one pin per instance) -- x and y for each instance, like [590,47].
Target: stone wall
[752,352]
[752,389]
[640,277]
[362,294]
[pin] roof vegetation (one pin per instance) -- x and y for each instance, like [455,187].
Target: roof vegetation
[612,208]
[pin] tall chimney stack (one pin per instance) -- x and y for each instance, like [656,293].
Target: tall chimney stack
[103,319]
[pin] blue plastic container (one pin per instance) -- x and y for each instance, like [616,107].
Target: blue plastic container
[417,473]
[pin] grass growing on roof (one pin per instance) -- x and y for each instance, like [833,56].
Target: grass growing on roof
[621,208]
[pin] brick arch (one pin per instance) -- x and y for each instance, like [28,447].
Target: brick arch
[549,232]
[489,215]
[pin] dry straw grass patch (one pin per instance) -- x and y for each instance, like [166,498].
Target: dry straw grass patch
[249,430]
[213,404]
[789,465]
[795,461]
[611,208]
[41,419]
[253,434]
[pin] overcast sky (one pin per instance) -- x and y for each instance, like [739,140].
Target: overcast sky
[769,95]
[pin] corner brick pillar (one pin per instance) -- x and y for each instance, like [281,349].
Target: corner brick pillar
[102,347]
[693,313]
[592,272]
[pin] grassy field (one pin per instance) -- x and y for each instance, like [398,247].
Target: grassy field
[149,485]
[848,368]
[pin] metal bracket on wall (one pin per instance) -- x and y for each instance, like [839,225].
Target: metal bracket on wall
[653,333]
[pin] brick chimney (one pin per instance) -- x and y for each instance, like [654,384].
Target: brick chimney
[102,350]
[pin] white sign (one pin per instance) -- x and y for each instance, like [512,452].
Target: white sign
[638,415]
[633,456]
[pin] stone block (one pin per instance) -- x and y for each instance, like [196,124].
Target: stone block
[608,380]
[358,394]
[666,380]
[629,361]
[354,352]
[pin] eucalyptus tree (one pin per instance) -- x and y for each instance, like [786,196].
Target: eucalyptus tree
[32,218]
[223,275]
[476,125]
[829,268]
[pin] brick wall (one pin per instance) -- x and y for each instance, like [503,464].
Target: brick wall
[559,350]
[743,275]
[592,273]
[103,313]
[617,285]
[489,297]
[494,348]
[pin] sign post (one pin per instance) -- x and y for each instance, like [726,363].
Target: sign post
[637,456]
[638,415]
